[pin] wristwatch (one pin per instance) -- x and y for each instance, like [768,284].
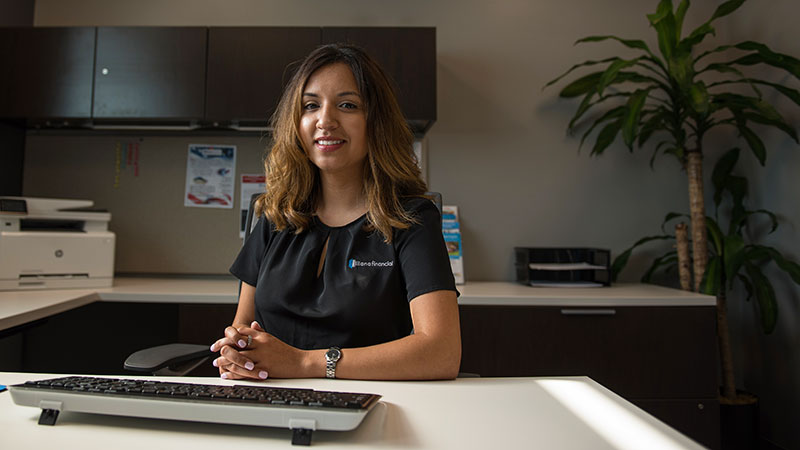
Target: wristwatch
[332,356]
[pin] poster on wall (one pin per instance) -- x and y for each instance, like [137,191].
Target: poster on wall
[251,184]
[210,176]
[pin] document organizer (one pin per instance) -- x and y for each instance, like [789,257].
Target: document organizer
[562,267]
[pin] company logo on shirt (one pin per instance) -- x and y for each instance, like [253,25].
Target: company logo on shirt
[353,263]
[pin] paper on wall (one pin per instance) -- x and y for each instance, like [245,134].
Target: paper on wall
[210,176]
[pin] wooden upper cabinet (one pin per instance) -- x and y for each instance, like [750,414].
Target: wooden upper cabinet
[408,55]
[46,72]
[150,73]
[248,68]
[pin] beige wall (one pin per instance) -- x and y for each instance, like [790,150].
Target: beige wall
[499,149]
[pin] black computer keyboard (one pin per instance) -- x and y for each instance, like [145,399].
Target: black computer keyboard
[303,410]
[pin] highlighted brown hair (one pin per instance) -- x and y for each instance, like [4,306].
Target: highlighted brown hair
[390,173]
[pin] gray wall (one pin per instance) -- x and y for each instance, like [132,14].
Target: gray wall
[499,150]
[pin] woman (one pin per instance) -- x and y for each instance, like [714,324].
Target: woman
[346,274]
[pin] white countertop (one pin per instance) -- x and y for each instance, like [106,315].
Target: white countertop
[20,307]
[467,413]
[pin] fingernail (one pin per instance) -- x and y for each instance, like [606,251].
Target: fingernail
[249,365]
[242,343]
[262,375]
[214,363]
[213,349]
[224,375]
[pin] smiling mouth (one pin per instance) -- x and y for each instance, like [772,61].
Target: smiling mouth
[328,142]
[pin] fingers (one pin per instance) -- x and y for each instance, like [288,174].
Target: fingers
[234,365]
[256,326]
[233,338]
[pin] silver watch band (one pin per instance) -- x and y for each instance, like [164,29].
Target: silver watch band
[332,357]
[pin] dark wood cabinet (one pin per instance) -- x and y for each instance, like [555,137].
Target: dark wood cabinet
[150,73]
[248,68]
[408,55]
[188,75]
[46,72]
[660,358]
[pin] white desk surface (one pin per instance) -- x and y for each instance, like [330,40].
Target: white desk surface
[468,413]
[20,307]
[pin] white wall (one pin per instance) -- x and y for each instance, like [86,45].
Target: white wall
[499,149]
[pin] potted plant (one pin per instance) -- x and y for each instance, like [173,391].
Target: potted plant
[678,95]
[734,256]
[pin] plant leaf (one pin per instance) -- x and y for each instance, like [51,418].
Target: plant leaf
[712,278]
[576,66]
[669,259]
[606,137]
[680,13]
[620,261]
[733,255]
[614,113]
[697,37]
[669,217]
[790,267]
[764,55]
[630,125]
[612,71]
[765,297]
[716,234]
[722,170]
[664,23]
[726,8]
[698,94]
[792,94]
[653,124]
[748,287]
[630,43]
[777,123]
[586,103]
[755,142]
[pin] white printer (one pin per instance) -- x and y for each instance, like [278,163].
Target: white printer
[53,244]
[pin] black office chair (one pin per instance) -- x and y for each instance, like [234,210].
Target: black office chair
[181,359]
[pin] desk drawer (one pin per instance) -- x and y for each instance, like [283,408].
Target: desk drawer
[638,352]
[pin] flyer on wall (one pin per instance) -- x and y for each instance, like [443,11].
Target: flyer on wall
[210,176]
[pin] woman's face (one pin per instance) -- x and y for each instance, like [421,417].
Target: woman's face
[333,125]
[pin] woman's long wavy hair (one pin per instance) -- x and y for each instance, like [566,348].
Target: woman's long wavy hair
[390,172]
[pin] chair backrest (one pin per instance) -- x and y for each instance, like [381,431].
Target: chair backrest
[249,219]
[436,198]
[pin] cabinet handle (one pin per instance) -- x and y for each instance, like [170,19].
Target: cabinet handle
[588,312]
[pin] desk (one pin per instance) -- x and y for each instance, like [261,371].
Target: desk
[657,348]
[501,413]
[20,307]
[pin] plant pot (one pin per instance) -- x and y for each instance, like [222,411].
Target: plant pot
[738,422]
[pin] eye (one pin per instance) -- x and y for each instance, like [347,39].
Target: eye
[310,106]
[349,105]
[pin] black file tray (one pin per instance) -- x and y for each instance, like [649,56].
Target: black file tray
[554,260]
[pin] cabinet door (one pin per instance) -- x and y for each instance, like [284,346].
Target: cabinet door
[408,55]
[248,68]
[150,73]
[46,72]
[638,352]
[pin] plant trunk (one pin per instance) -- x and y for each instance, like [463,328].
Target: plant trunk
[682,239]
[725,354]
[697,208]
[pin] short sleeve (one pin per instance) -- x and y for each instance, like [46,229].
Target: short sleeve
[422,253]
[247,264]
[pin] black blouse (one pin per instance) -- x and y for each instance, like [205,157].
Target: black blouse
[361,297]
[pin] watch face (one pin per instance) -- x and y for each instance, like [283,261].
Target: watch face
[333,354]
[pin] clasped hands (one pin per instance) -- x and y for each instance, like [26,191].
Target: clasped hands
[265,356]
